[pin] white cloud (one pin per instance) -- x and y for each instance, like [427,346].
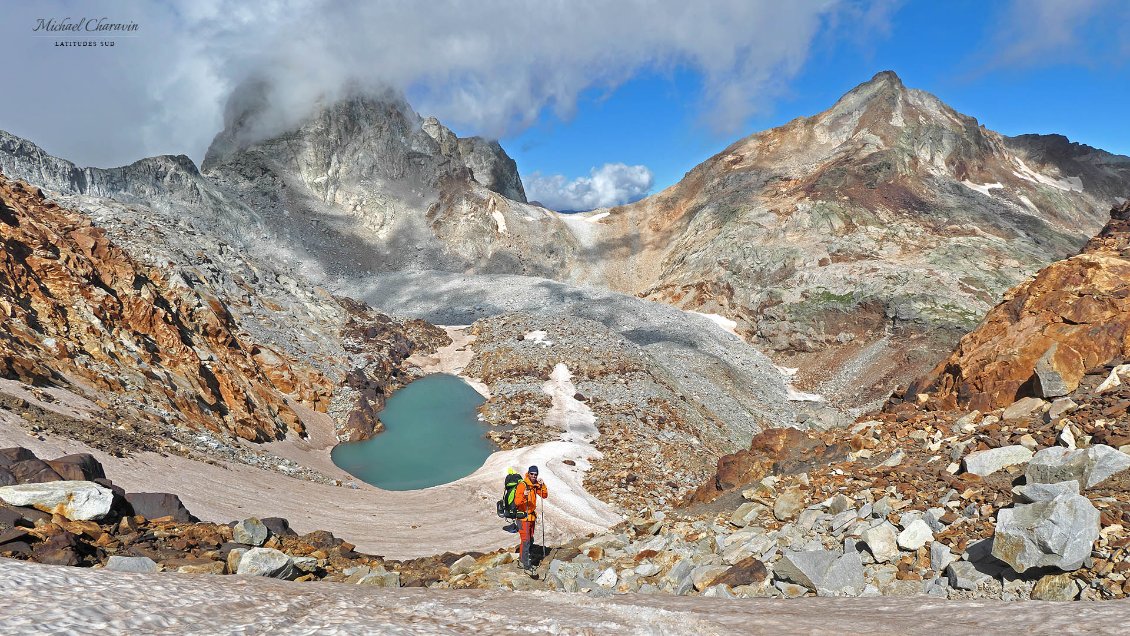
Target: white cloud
[490,66]
[610,184]
[1039,32]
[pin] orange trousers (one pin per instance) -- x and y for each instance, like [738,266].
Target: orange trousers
[526,534]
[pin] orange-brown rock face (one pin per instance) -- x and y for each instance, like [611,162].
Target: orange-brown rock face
[80,311]
[1075,315]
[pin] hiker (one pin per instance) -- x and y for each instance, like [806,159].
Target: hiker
[526,499]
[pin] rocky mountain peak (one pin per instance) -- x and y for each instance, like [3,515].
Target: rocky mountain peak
[366,134]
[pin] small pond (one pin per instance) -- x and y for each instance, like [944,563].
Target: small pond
[432,436]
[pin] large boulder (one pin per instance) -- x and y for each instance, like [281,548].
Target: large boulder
[1057,533]
[75,500]
[989,461]
[78,467]
[278,526]
[268,562]
[250,532]
[1087,466]
[9,456]
[33,471]
[154,505]
[823,571]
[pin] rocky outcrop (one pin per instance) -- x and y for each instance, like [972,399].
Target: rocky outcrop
[81,311]
[1074,316]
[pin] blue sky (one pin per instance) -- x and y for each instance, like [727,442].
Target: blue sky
[963,52]
[599,102]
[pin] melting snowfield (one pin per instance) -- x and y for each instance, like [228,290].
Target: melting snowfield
[47,599]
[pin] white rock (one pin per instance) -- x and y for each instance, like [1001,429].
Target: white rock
[989,461]
[607,578]
[463,565]
[881,540]
[916,535]
[267,562]
[75,500]
[1113,380]
[646,569]
[1066,437]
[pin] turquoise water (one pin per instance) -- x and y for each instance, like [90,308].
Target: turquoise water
[432,436]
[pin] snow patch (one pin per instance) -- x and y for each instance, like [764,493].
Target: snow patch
[725,323]
[1068,184]
[791,394]
[982,188]
[1028,202]
[571,414]
[538,337]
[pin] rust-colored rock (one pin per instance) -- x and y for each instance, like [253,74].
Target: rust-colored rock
[80,311]
[1073,316]
[777,451]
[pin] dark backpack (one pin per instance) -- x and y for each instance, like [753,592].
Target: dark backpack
[507,509]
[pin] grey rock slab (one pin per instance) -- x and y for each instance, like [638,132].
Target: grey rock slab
[882,541]
[1031,493]
[989,461]
[839,503]
[131,564]
[745,513]
[843,578]
[1088,466]
[75,500]
[646,569]
[250,532]
[940,556]
[1049,381]
[267,562]
[1058,533]
[805,568]
[963,575]
[607,578]
[1061,407]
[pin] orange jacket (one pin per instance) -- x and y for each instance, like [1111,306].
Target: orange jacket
[526,496]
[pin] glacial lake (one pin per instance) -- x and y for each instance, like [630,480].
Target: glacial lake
[432,436]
